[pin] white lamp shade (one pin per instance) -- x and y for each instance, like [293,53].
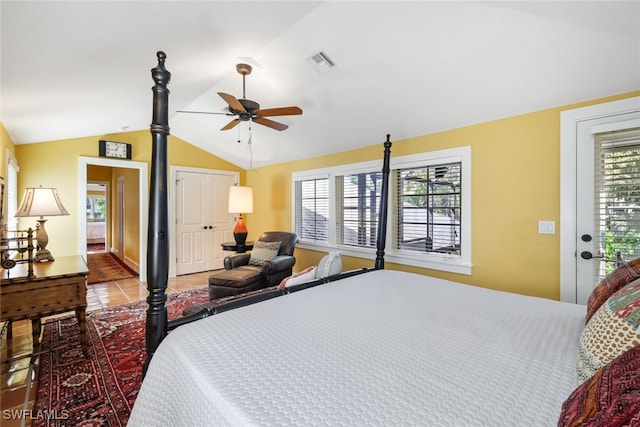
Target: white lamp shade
[240,199]
[41,202]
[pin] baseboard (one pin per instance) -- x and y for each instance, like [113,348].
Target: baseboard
[132,264]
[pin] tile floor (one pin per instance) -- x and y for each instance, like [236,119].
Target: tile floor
[18,370]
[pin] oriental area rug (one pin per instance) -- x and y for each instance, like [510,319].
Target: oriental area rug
[106,267]
[99,390]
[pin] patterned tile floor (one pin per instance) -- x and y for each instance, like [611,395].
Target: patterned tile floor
[18,386]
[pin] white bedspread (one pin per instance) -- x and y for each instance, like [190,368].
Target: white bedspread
[382,348]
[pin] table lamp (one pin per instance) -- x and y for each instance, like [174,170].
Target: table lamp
[240,201]
[39,201]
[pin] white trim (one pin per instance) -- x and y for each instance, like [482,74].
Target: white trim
[615,126]
[456,264]
[569,121]
[143,180]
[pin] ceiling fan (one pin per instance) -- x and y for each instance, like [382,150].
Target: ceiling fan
[246,109]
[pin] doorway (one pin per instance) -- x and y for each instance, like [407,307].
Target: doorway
[580,262]
[143,200]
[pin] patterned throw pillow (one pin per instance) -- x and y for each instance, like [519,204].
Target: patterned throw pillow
[611,398]
[263,251]
[608,286]
[612,330]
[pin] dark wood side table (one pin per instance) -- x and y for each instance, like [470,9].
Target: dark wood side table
[58,286]
[231,246]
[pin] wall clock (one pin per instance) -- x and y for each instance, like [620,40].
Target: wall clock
[117,150]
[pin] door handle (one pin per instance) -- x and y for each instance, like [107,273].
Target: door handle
[589,255]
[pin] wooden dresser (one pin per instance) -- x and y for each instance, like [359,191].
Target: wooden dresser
[58,286]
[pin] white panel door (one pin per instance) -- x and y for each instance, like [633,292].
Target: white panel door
[202,220]
[223,222]
[588,264]
[192,222]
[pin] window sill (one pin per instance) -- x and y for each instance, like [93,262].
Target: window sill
[433,262]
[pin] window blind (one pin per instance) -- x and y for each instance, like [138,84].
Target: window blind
[358,201]
[312,209]
[428,208]
[12,194]
[617,196]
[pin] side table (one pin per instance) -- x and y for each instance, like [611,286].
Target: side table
[232,246]
[58,286]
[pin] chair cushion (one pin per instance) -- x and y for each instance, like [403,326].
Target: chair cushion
[263,251]
[237,278]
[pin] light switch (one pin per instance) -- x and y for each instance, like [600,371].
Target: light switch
[547,227]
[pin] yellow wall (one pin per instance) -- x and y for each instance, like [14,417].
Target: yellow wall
[515,183]
[55,163]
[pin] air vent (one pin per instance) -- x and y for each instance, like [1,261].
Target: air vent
[321,62]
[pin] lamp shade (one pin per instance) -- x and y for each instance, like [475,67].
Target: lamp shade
[240,199]
[39,201]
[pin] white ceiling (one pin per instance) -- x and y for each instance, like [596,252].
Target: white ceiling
[82,68]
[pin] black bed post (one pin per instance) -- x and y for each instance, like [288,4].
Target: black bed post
[157,235]
[384,206]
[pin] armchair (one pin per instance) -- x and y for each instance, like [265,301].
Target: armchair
[240,276]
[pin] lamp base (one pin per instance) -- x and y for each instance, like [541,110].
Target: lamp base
[42,238]
[43,255]
[240,232]
[240,238]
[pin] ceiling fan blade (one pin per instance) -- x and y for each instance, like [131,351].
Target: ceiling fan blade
[232,101]
[270,123]
[282,111]
[233,123]
[204,112]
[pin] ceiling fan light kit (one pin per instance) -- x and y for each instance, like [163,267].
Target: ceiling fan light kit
[248,110]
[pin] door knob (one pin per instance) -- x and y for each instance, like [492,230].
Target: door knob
[586,237]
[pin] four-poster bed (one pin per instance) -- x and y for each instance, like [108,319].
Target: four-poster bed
[376,347]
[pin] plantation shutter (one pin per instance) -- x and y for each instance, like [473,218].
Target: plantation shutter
[617,196]
[429,208]
[312,209]
[12,194]
[357,205]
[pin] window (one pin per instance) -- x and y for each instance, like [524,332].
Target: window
[429,217]
[358,200]
[429,221]
[617,197]
[12,192]
[96,207]
[312,209]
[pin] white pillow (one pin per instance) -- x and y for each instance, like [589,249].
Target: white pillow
[305,275]
[329,265]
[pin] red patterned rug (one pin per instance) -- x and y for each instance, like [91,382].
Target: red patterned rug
[106,267]
[99,390]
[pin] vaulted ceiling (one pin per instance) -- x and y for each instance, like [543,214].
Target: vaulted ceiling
[81,68]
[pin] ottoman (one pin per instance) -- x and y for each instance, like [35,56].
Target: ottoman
[226,283]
